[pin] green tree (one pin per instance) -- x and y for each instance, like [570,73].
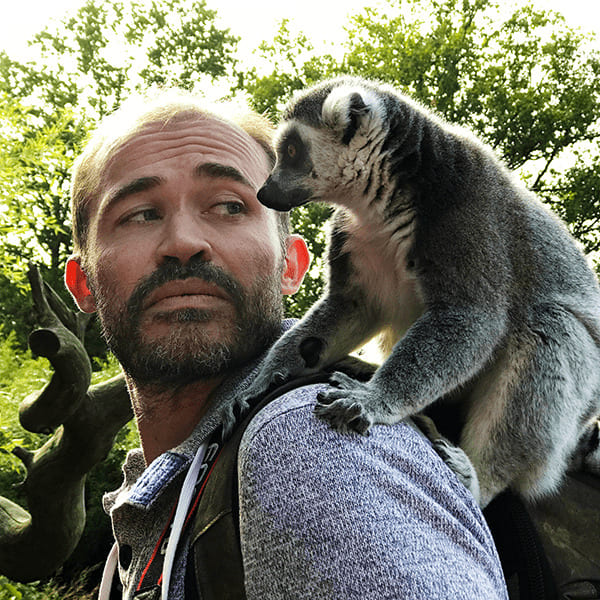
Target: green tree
[34,172]
[576,198]
[297,65]
[429,49]
[93,59]
[528,84]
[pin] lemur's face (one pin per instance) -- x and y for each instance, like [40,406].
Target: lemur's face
[289,184]
[325,149]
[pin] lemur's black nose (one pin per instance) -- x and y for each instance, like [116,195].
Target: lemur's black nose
[264,194]
[273,195]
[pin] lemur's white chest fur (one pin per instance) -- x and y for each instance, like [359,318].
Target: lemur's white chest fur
[379,255]
[380,231]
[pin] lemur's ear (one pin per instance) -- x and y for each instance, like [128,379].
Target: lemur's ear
[345,108]
[356,109]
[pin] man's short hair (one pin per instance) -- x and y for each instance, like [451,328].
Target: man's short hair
[159,106]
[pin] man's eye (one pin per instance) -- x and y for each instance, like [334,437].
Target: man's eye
[230,208]
[143,216]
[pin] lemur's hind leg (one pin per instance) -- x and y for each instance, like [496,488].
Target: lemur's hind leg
[529,410]
[454,456]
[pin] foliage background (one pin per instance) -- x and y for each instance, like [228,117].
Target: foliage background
[528,84]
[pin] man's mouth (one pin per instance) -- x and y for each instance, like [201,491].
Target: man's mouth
[184,293]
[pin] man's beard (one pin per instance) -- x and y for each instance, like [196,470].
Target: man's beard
[190,353]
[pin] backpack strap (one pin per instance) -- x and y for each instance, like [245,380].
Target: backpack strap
[215,567]
[526,568]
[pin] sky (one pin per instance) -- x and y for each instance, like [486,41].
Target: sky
[253,20]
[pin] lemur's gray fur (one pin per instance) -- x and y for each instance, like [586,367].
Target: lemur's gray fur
[481,294]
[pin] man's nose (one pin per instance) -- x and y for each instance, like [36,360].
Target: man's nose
[184,237]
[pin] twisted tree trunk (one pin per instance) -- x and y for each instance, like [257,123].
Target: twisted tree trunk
[85,421]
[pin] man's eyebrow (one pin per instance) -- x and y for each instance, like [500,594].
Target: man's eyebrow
[219,171]
[137,185]
[214,170]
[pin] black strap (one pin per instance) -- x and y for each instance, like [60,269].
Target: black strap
[526,568]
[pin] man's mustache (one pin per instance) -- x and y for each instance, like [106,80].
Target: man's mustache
[173,270]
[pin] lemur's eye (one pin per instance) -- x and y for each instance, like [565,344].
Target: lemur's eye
[291,150]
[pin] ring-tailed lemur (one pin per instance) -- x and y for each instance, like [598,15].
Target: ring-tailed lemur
[476,286]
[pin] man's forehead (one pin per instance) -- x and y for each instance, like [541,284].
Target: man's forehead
[201,139]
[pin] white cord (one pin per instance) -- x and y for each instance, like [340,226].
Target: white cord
[108,573]
[183,504]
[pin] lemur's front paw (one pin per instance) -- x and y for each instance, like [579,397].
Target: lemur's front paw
[268,378]
[345,407]
[286,360]
[232,413]
[236,408]
[291,356]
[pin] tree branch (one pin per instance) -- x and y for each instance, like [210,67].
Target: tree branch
[34,543]
[541,174]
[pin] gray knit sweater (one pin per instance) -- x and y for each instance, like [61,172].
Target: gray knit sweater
[323,515]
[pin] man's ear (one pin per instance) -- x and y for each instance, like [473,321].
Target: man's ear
[297,261]
[76,281]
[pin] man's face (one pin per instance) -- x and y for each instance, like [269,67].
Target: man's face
[183,262]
